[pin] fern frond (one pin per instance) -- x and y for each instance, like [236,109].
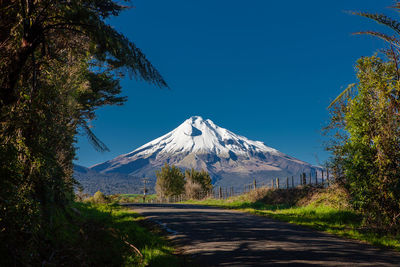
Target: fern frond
[390,39]
[345,94]
[381,19]
[396,6]
[94,140]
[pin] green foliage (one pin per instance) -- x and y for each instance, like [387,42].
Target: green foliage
[198,184]
[133,198]
[98,198]
[367,140]
[104,235]
[59,62]
[170,181]
[370,155]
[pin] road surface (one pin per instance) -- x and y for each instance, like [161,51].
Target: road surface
[218,237]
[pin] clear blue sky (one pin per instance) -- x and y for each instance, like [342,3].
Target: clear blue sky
[263,69]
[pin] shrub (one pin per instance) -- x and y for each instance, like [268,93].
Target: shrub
[368,157]
[170,182]
[99,198]
[198,184]
[194,190]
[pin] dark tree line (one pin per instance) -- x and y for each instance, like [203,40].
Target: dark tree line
[59,62]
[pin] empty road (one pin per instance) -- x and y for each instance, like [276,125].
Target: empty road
[218,237]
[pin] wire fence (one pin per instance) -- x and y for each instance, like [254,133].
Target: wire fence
[220,192]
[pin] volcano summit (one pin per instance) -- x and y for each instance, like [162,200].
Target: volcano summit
[231,159]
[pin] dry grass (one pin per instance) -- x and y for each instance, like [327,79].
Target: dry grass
[333,196]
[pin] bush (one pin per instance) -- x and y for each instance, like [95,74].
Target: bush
[193,190]
[97,198]
[198,184]
[368,158]
[170,182]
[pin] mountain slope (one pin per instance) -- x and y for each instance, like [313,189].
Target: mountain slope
[231,159]
[109,183]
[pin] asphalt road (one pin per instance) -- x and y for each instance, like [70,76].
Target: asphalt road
[218,237]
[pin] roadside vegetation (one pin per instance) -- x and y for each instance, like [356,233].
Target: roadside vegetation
[323,209]
[59,62]
[107,234]
[133,198]
[97,231]
[365,133]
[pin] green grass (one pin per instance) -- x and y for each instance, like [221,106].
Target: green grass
[105,235]
[339,221]
[133,198]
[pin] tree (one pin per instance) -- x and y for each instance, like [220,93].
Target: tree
[198,184]
[39,30]
[369,156]
[366,146]
[170,181]
[59,62]
[99,198]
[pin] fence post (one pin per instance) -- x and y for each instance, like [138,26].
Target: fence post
[255,184]
[292,181]
[322,177]
[327,176]
[272,183]
[277,183]
[287,182]
[220,193]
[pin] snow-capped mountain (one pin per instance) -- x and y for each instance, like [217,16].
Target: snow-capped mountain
[231,159]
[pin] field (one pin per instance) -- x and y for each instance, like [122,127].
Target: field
[134,198]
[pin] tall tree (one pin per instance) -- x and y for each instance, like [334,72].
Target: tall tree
[367,123]
[59,62]
[170,181]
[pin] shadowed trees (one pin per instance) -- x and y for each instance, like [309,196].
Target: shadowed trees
[59,62]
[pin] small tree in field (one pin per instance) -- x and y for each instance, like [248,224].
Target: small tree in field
[99,198]
[170,181]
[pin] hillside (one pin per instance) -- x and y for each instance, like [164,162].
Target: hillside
[110,183]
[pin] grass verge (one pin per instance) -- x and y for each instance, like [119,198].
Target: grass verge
[108,235]
[319,209]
